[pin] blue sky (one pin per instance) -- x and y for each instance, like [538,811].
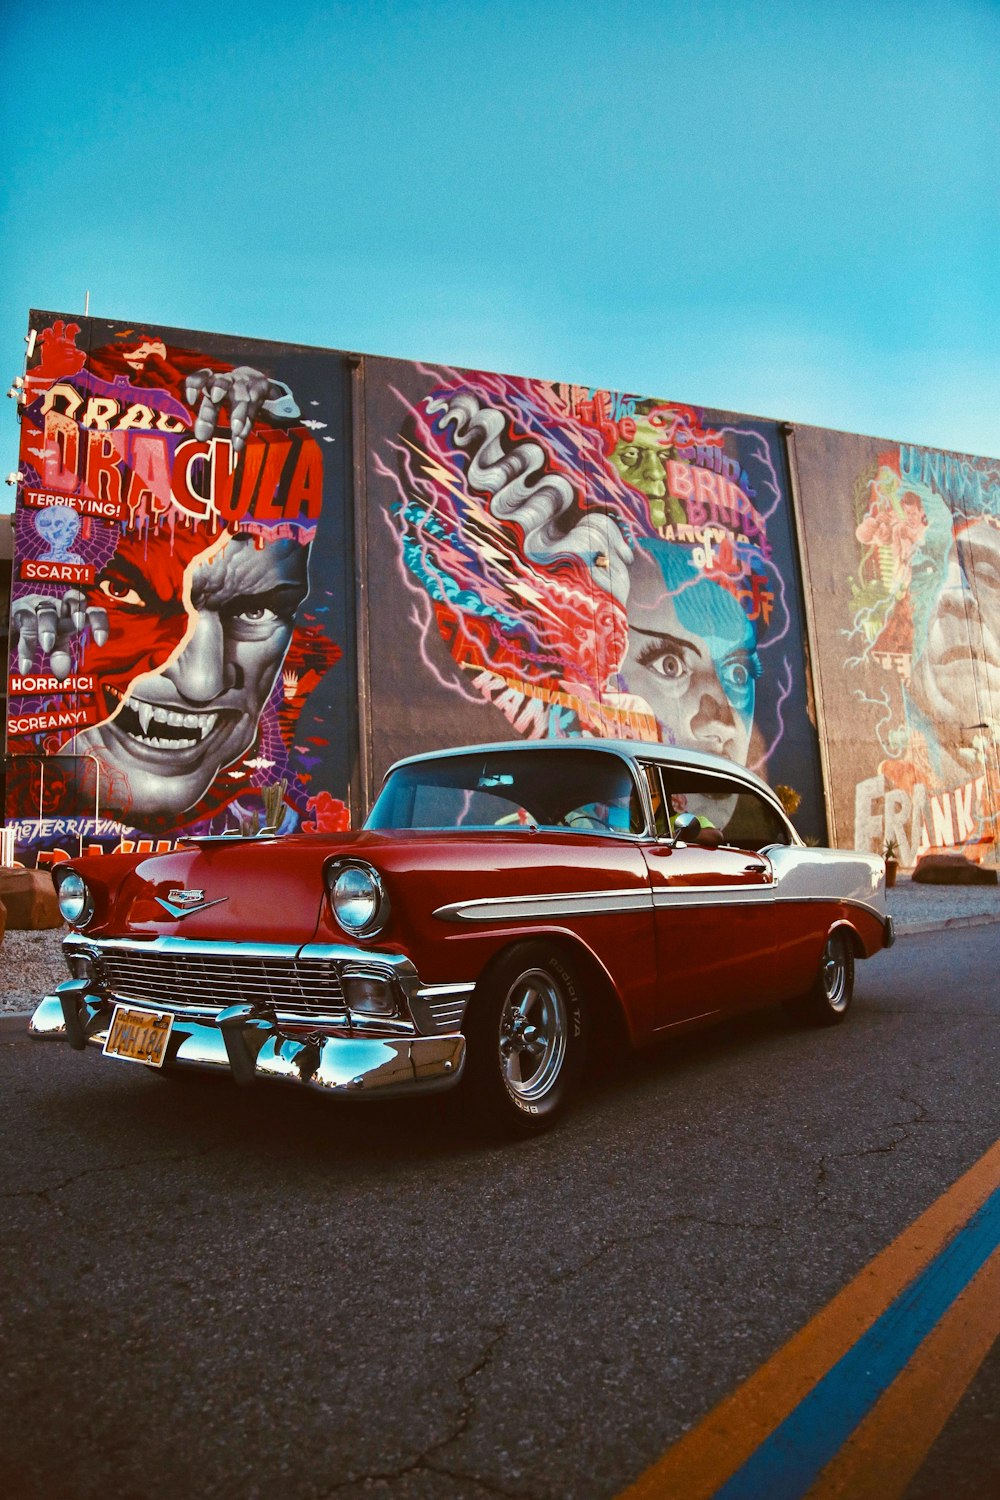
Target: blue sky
[790,210]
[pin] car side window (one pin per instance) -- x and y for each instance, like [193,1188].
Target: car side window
[743,817]
[754,823]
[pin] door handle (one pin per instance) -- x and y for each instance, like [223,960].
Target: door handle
[754,869]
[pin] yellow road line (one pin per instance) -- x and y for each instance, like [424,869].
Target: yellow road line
[702,1460]
[886,1449]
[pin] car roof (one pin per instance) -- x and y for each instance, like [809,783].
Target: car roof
[668,755]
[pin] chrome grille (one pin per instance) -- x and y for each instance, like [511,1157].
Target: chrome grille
[305,988]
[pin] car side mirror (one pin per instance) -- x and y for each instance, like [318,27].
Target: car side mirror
[688,830]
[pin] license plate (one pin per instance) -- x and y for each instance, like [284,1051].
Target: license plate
[139,1035]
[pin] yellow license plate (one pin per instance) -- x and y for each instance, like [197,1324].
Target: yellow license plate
[139,1035]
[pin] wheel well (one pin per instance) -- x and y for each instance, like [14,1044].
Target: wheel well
[610,1029]
[853,937]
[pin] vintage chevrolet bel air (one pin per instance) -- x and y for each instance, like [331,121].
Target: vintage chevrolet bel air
[504,909]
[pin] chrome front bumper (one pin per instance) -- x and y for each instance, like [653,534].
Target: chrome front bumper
[251,1047]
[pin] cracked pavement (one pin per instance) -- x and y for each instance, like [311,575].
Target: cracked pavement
[255,1293]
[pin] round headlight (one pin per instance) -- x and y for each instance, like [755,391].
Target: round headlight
[358,899]
[74,899]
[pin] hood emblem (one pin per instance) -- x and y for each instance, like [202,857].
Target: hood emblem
[181,903]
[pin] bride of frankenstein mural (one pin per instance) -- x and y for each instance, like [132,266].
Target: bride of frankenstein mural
[597,564]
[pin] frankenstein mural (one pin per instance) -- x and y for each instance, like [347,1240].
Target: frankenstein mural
[924,634]
[168,640]
[602,564]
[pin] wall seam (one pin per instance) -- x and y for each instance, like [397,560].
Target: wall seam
[815,677]
[361,794]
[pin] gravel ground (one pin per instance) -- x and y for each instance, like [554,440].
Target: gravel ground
[31,963]
[914,905]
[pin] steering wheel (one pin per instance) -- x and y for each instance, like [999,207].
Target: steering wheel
[579,819]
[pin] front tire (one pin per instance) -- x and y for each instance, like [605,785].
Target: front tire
[827,1002]
[527,1040]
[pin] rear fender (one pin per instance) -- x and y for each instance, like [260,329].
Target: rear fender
[852,935]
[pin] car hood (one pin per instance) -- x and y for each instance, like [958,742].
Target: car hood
[228,889]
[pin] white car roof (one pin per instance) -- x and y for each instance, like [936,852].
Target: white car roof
[670,755]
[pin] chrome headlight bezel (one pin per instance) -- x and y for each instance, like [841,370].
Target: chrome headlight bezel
[357,897]
[76,904]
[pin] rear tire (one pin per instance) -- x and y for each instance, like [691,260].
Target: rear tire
[828,1000]
[527,1040]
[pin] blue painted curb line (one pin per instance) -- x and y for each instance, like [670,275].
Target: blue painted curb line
[787,1463]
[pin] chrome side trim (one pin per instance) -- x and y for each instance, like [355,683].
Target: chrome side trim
[865,906]
[755,895]
[682,897]
[660,898]
[558,904]
[437,991]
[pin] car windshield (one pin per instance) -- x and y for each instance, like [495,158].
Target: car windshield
[588,791]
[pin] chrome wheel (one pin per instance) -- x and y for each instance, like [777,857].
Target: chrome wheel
[835,971]
[534,1028]
[526,1034]
[828,999]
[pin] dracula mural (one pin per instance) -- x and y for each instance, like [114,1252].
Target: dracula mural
[175,650]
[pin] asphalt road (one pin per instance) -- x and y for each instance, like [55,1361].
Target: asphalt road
[210,1292]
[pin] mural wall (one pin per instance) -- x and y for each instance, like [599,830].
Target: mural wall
[248,576]
[182,598]
[902,560]
[568,561]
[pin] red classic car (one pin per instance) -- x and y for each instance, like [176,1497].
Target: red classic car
[505,908]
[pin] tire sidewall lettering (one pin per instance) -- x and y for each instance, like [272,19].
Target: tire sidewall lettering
[540,1110]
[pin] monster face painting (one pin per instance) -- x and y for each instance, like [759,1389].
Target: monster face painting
[601,564]
[692,654]
[196,706]
[901,565]
[163,643]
